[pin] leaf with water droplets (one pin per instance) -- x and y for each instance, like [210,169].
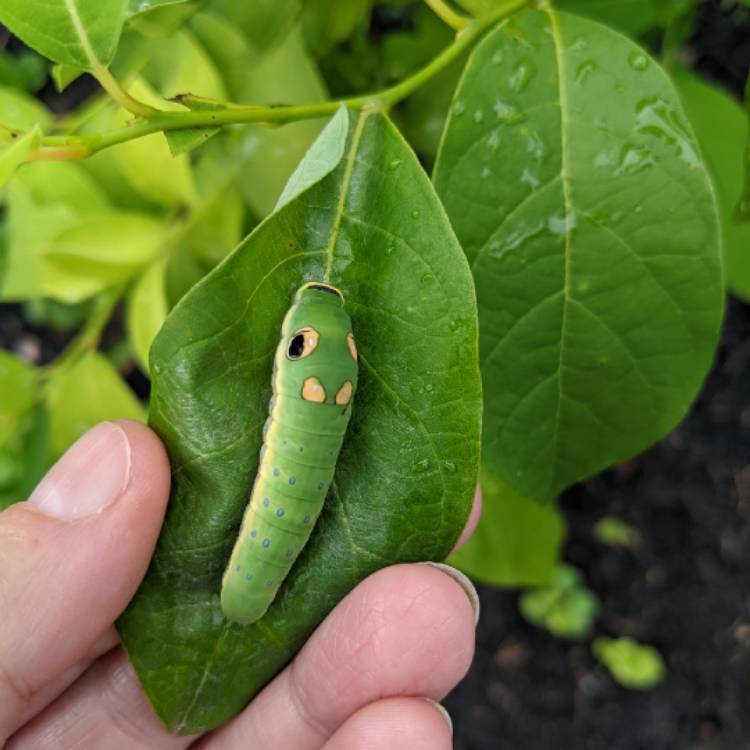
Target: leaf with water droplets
[406,476]
[591,228]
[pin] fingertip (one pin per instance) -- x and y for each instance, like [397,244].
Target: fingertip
[395,724]
[149,460]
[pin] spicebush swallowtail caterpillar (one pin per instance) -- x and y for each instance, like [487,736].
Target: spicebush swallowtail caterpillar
[314,380]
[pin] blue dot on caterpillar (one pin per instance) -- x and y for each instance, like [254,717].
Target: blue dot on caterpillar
[314,381]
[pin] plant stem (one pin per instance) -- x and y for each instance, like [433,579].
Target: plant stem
[89,336]
[158,120]
[446,14]
[110,84]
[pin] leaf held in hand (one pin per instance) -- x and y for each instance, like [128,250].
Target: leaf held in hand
[367,221]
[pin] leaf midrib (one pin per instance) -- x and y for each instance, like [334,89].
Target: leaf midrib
[83,37]
[567,260]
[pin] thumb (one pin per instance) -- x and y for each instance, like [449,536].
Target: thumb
[73,555]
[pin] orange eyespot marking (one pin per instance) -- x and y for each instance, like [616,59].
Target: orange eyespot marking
[312,390]
[344,394]
[302,343]
[352,345]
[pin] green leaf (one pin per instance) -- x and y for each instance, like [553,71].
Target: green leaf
[147,163]
[289,75]
[20,111]
[25,458]
[43,200]
[586,213]
[286,74]
[407,472]
[566,608]
[517,541]
[266,24]
[65,241]
[743,207]
[24,70]
[327,22]
[722,129]
[19,392]
[634,17]
[634,666]
[616,533]
[98,253]
[64,75]
[137,7]
[182,141]
[15,154]
[84,394]
[180,64]
[147,311]
[216,223]
[82,33]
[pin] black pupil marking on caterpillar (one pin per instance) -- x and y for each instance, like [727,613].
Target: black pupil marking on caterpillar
[297,346]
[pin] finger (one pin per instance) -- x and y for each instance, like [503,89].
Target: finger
[471,523]
[406,630]
[106,708]
[73,556]
[395,724]
[51,690]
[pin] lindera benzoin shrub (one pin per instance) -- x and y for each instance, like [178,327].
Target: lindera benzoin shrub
[568,244]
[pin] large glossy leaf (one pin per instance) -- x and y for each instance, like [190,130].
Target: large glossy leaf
[634,17]
[722,128]
[82,33]
[372,225]
[575,185]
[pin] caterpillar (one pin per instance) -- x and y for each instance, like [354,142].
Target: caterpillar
[314,381]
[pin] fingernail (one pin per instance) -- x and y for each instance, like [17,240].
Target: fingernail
[464,582]
[90,476]
[440,708]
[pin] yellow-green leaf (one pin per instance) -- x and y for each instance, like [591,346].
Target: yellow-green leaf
[84,394]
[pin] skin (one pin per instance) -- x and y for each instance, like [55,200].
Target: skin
[70,560]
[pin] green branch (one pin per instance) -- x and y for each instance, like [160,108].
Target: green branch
[76,147]
[87,339]
[446,14]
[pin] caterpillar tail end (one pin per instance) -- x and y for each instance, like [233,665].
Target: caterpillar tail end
[238,609]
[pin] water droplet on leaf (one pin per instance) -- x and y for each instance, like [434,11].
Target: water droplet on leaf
[584,71]
[422,465]
[638,60]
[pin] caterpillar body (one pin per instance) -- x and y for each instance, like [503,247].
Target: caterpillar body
[314,381]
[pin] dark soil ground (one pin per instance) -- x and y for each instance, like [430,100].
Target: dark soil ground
[686,590]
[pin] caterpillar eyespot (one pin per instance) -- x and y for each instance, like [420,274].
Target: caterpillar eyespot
[315,374]
[302,344]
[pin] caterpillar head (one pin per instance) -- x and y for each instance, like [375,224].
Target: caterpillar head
[317,357]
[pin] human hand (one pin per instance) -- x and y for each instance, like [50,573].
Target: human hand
[73,556]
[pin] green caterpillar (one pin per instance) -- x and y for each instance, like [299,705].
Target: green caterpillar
[314,380]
